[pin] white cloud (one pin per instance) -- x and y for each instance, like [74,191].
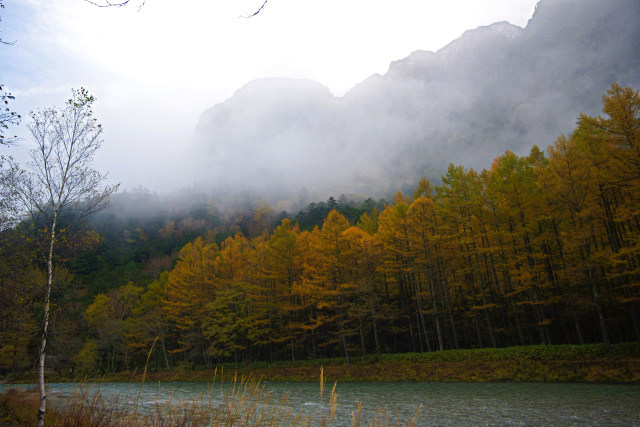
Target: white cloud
[153,71]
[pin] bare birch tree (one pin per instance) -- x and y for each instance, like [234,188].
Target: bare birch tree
[8,169]
[60,177]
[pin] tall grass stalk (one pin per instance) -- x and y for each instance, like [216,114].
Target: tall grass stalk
[321,384]
[355,420]
[333,403]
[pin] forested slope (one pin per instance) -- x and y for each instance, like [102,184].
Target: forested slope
[535,249]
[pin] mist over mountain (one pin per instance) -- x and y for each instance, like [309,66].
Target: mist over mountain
[495,88]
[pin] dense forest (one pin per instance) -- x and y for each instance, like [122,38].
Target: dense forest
[535,249]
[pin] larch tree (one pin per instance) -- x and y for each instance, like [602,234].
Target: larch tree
[109,318]
[461,204]
[190,285]
[365,254]
[309,291]
[226,320]
[61,178]
[400,268]
[263,307]
[612,146]
[569,189]
[513,189]
[422,226]
[148,322]
[282,269]
[331,273]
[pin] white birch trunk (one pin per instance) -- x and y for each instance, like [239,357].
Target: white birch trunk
[45,326]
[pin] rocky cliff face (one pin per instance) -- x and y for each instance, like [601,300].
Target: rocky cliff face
[495,88]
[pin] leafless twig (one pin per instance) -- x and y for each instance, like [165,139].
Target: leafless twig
[107,3]
[257,11]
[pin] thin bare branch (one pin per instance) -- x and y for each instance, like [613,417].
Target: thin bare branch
[107,3]
[257,11]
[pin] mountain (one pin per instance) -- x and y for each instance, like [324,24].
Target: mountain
[495,88]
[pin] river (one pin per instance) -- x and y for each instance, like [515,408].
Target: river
[441,404]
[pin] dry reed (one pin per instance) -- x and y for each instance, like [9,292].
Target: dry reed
[248,403]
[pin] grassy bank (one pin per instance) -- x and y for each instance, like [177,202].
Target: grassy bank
[588,363]
[561,363]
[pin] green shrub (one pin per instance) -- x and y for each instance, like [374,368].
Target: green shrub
[87,359]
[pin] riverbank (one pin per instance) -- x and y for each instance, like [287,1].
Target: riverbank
[620,363]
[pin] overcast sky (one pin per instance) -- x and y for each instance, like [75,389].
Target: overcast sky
[155,69]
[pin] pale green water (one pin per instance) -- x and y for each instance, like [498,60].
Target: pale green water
[443,404]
